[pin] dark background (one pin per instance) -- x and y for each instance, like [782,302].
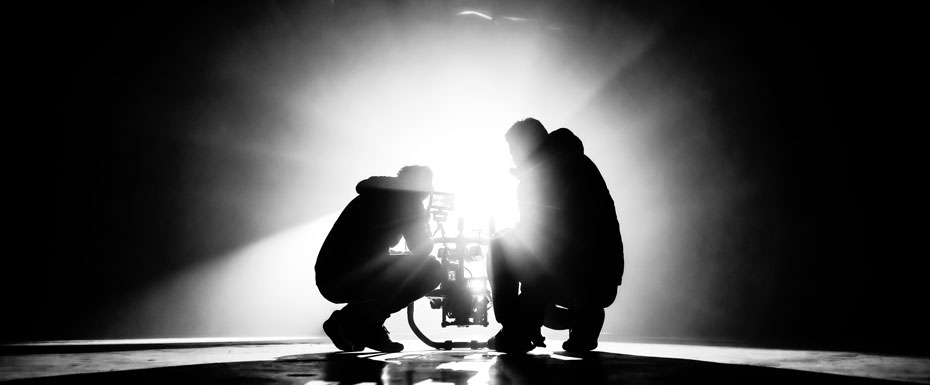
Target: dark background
[809,113]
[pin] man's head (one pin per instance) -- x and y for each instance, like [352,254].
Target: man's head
[524,137]
[416,178]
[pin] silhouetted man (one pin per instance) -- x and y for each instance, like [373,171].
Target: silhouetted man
[356,267]
[566,249]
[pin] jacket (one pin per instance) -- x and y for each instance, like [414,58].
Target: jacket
[567,215]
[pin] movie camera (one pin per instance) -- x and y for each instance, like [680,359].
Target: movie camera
[463,298]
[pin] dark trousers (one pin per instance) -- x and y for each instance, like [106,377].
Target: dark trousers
[529,292]
[382,288]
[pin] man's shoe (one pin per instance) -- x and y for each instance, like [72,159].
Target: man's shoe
[335,329]
[587,326]
[506,341]
[579,345]
[377,338]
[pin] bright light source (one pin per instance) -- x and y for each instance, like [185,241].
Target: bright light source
[475,13]
[358,99]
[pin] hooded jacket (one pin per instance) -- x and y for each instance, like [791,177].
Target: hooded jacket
[567,215]
[374,221]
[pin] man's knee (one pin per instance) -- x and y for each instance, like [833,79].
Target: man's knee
[336,293]
[433,273]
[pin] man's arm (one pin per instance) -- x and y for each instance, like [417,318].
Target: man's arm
[417,232]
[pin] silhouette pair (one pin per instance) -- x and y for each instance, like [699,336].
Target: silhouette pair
[560,266]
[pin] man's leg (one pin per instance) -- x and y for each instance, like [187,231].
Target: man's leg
[588,317]
[413,277]
[402,280]
[536,294]
[520,295]
[504,285]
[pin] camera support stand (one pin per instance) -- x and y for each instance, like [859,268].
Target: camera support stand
[445,345]
[464,301]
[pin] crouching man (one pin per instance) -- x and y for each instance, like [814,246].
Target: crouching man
[562,264]
[355,265]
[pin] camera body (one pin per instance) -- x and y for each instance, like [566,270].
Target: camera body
[463,298]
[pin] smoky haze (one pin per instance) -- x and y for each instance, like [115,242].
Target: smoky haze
[186,161]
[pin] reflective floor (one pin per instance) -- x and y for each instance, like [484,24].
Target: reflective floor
[315,361]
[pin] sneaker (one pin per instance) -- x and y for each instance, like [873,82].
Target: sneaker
[377,338]
[583,336]
[579,345]
[539,341]
[508,342]
[335,329]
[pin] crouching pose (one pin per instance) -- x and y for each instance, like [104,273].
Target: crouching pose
[561,265]
[355,265]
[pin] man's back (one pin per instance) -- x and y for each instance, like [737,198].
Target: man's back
[371,223]
[567,210]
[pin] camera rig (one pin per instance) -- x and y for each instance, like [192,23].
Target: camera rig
[464,299]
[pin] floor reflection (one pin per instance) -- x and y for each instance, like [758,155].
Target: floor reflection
[484,367]
[459,367]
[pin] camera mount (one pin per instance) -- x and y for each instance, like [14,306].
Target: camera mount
[464,300]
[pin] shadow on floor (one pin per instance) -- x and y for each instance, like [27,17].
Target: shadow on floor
[460,367]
